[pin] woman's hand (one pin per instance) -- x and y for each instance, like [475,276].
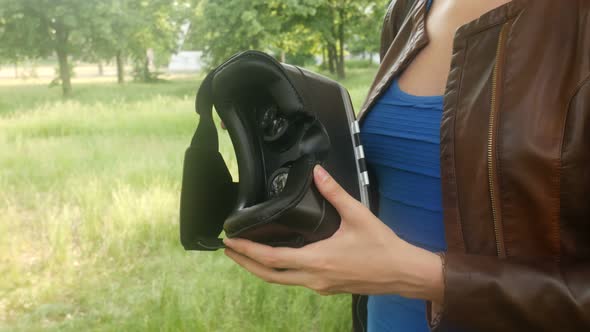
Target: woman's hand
[363,257]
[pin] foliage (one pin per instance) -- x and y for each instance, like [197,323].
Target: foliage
[100,30]
[39,28]
[366,35]
[92,29]
[156,26]
[222,28]
[287,27]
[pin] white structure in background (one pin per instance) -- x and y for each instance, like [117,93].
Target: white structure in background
[373,56]
[185,61]
[151,57]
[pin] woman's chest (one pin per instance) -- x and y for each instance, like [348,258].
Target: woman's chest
[427,73]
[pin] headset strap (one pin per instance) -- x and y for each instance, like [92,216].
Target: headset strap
[206,132]
[206,180]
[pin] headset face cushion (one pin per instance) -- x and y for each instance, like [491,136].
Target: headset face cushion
[282,122]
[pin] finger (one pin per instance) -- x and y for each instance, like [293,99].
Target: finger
[279,258]
[333,192]
[286,277]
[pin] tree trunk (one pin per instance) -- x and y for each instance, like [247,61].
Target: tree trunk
[340,62]
[61,49]
[331,58]
[120,69]
[100,69]
[146,70]
[283,57]
[64,72]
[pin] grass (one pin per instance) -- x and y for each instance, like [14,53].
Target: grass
[89,195]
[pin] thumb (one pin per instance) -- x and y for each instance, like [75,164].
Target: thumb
[333,192]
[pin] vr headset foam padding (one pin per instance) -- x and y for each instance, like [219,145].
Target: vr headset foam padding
[282,121]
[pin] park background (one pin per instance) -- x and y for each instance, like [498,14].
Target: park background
[96,110]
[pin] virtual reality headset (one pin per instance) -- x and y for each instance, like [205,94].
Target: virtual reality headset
[282,121]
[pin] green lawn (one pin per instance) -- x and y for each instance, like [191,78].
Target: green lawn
[89,196]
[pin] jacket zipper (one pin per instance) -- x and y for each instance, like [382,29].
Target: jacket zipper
[492,153]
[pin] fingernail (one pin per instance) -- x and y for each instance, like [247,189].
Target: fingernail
[227,241]
[320,173]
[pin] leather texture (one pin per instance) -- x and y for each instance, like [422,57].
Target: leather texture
[282,121]
[516,211]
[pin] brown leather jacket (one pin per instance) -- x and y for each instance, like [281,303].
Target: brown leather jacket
[515,163]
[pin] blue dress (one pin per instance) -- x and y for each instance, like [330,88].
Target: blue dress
[401,137]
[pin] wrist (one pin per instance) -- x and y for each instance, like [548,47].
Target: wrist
[435,286]
[421,274]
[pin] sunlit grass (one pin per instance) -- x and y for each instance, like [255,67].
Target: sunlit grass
[89,196]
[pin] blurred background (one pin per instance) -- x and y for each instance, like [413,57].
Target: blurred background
[96,110]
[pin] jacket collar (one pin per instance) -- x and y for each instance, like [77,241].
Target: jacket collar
[419,37]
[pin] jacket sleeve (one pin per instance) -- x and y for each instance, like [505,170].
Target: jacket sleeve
[485,293]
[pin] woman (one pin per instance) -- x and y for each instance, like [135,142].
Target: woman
[511,142]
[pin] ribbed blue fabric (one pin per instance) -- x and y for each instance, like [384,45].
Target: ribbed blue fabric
[401,137]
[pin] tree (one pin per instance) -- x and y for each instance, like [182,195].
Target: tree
[100,30]
[107,40]
[7,54]
[222,28]
[39,28]
[284,26]
[338,21]
[90,29]
[367,33]
[156,27]
[133,28]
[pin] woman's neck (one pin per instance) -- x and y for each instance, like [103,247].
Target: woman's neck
[427,74]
